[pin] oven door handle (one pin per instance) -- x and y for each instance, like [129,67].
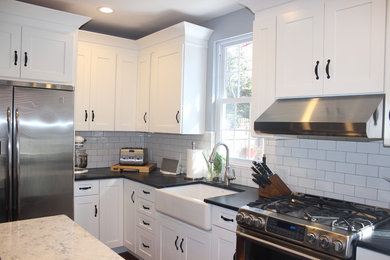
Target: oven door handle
[279,247]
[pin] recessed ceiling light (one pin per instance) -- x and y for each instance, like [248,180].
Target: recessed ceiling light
[106,10]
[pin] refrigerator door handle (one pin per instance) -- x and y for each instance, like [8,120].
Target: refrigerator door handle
[9,169]
[17,167]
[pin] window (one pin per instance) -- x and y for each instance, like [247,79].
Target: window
[234,91]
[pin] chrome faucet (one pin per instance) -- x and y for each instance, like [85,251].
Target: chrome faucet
[228,177]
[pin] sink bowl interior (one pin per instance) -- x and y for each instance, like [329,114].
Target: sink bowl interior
[186,203]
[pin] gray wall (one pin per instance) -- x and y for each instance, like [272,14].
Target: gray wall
[226,26]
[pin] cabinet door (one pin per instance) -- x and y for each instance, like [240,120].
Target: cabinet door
[111,212]
[82,112]
[86,213]
[102,95]
[129,207]
[299,49]
[143,86]
[166,89]
[224,244]
[46,55]
[264,55]
[170,239]
[10,50]
[197,244]
[354,46]
[125,94]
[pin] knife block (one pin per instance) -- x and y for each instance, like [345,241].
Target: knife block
[275,189]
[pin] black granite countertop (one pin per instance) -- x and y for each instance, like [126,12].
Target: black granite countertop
[379,240]
[156,179]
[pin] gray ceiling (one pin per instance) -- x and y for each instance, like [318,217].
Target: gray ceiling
[134,19]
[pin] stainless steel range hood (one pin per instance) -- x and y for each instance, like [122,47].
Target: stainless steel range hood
[341,116]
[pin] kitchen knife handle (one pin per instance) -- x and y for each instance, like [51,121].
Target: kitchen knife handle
[93,116]
[16,58]
[9,160]
[132,196]
[145,117]
[177,248]
[327,69]
[227,219]
[86,115]
[96,211]
[25,59]
[316,70]
[17,166]
[177,116]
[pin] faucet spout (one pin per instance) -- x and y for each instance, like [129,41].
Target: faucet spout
[228,177]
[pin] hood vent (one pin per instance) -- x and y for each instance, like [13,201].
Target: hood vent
[342,116]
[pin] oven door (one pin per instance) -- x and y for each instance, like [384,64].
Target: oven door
[256,245]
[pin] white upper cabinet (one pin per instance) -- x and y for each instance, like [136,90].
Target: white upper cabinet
[325,47]
[38,44]
[142,117]
[105,94]
[10,38]
[299,49]
[173,70]
[354,41]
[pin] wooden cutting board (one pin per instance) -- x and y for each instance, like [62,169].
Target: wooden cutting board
[141,168]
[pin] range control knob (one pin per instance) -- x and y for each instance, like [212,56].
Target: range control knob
[324,242]
[311,238]
[338,246]
[249,220]
[259,222]
[240,217]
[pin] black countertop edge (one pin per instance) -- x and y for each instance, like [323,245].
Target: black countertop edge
[379,240]
[243,196]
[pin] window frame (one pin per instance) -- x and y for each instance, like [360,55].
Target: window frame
[219,87]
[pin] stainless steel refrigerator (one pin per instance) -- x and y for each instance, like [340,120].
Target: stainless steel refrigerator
[36,150]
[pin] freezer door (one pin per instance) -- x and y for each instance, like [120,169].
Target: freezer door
[43,153]
[5,151]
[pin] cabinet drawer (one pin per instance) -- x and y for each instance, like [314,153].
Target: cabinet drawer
[84,188]
[146,192]
[224,218]
[146,223]
[145,244]
[145,207]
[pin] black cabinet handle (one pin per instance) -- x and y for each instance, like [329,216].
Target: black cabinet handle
[327,69]
[375,117]
[85,115]
[316,70]
[25,59]
[93,115]
[181,245]
[145,117]
[85,188]
[132,196]
[145,192]
[177,248]
[177,116]
[16,58]
[146,246]
[95,211]
[145,223]
[226,219]
[146,208]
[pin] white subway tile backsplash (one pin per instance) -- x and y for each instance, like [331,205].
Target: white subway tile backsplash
[299,172]
[357,180]
[326,145]
[284,151]
[370,147]
[306,143]
[344,189]
[377,203]
[306,183]
[378,183]
[316,174]
[299,152]
[381,160]
[357,158]
[326,165]
[346,146]
[345,167]
[367,170]
[307,163]
[384,195]
[316,154]
[335,177]
[335,156]
[324,185]
[367,193]
[334,195]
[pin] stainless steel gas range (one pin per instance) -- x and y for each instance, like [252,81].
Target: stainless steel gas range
[301,226]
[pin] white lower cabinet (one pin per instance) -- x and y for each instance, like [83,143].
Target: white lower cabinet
[86,213]
[178,240]
[98,208]
[129,211]
[223,233]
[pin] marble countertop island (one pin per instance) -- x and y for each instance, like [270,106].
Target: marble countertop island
[55,237]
